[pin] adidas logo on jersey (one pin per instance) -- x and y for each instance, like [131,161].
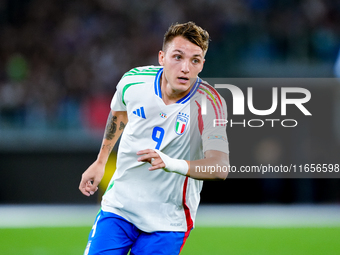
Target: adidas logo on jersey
[140,112]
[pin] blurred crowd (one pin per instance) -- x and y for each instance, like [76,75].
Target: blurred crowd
[60,60]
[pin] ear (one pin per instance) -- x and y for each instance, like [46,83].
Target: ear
[202,65]
[161,55]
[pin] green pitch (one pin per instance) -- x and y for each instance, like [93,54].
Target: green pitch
[203,240]
[263,241]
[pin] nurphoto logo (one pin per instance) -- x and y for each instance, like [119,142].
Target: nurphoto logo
[239,105]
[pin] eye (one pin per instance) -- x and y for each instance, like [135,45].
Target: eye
[177,57]
[195,61]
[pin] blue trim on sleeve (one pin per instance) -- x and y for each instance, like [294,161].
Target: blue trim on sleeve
[157,83]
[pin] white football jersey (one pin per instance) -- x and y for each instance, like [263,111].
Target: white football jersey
[158,200]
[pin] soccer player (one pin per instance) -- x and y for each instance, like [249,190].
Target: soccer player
[170,137]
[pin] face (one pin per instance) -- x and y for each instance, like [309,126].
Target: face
[182,60]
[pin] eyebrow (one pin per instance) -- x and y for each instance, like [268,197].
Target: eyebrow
[181,52]
[197,55]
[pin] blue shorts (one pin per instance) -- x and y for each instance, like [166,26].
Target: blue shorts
[113,235]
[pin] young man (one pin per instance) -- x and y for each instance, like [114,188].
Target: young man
[152,199]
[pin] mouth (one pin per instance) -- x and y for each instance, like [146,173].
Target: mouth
[183,79]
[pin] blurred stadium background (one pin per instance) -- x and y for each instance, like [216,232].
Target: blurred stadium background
[59,63]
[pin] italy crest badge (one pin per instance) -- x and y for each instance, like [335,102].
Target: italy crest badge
[181,123]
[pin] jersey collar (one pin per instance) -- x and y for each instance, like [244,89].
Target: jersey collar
[183,100]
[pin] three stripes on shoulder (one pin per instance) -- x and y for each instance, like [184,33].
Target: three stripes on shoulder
[140,112]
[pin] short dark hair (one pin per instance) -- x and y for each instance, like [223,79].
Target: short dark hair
[189,31]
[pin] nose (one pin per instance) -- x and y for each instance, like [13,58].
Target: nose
[185,67]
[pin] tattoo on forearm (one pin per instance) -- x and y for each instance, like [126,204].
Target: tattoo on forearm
[122,125]
[109,147]
[111,127]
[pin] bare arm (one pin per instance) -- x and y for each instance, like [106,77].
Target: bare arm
[215,166]
[116,122]
[197,169]
[115,125]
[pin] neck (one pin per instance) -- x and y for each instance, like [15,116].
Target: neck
[169,95]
